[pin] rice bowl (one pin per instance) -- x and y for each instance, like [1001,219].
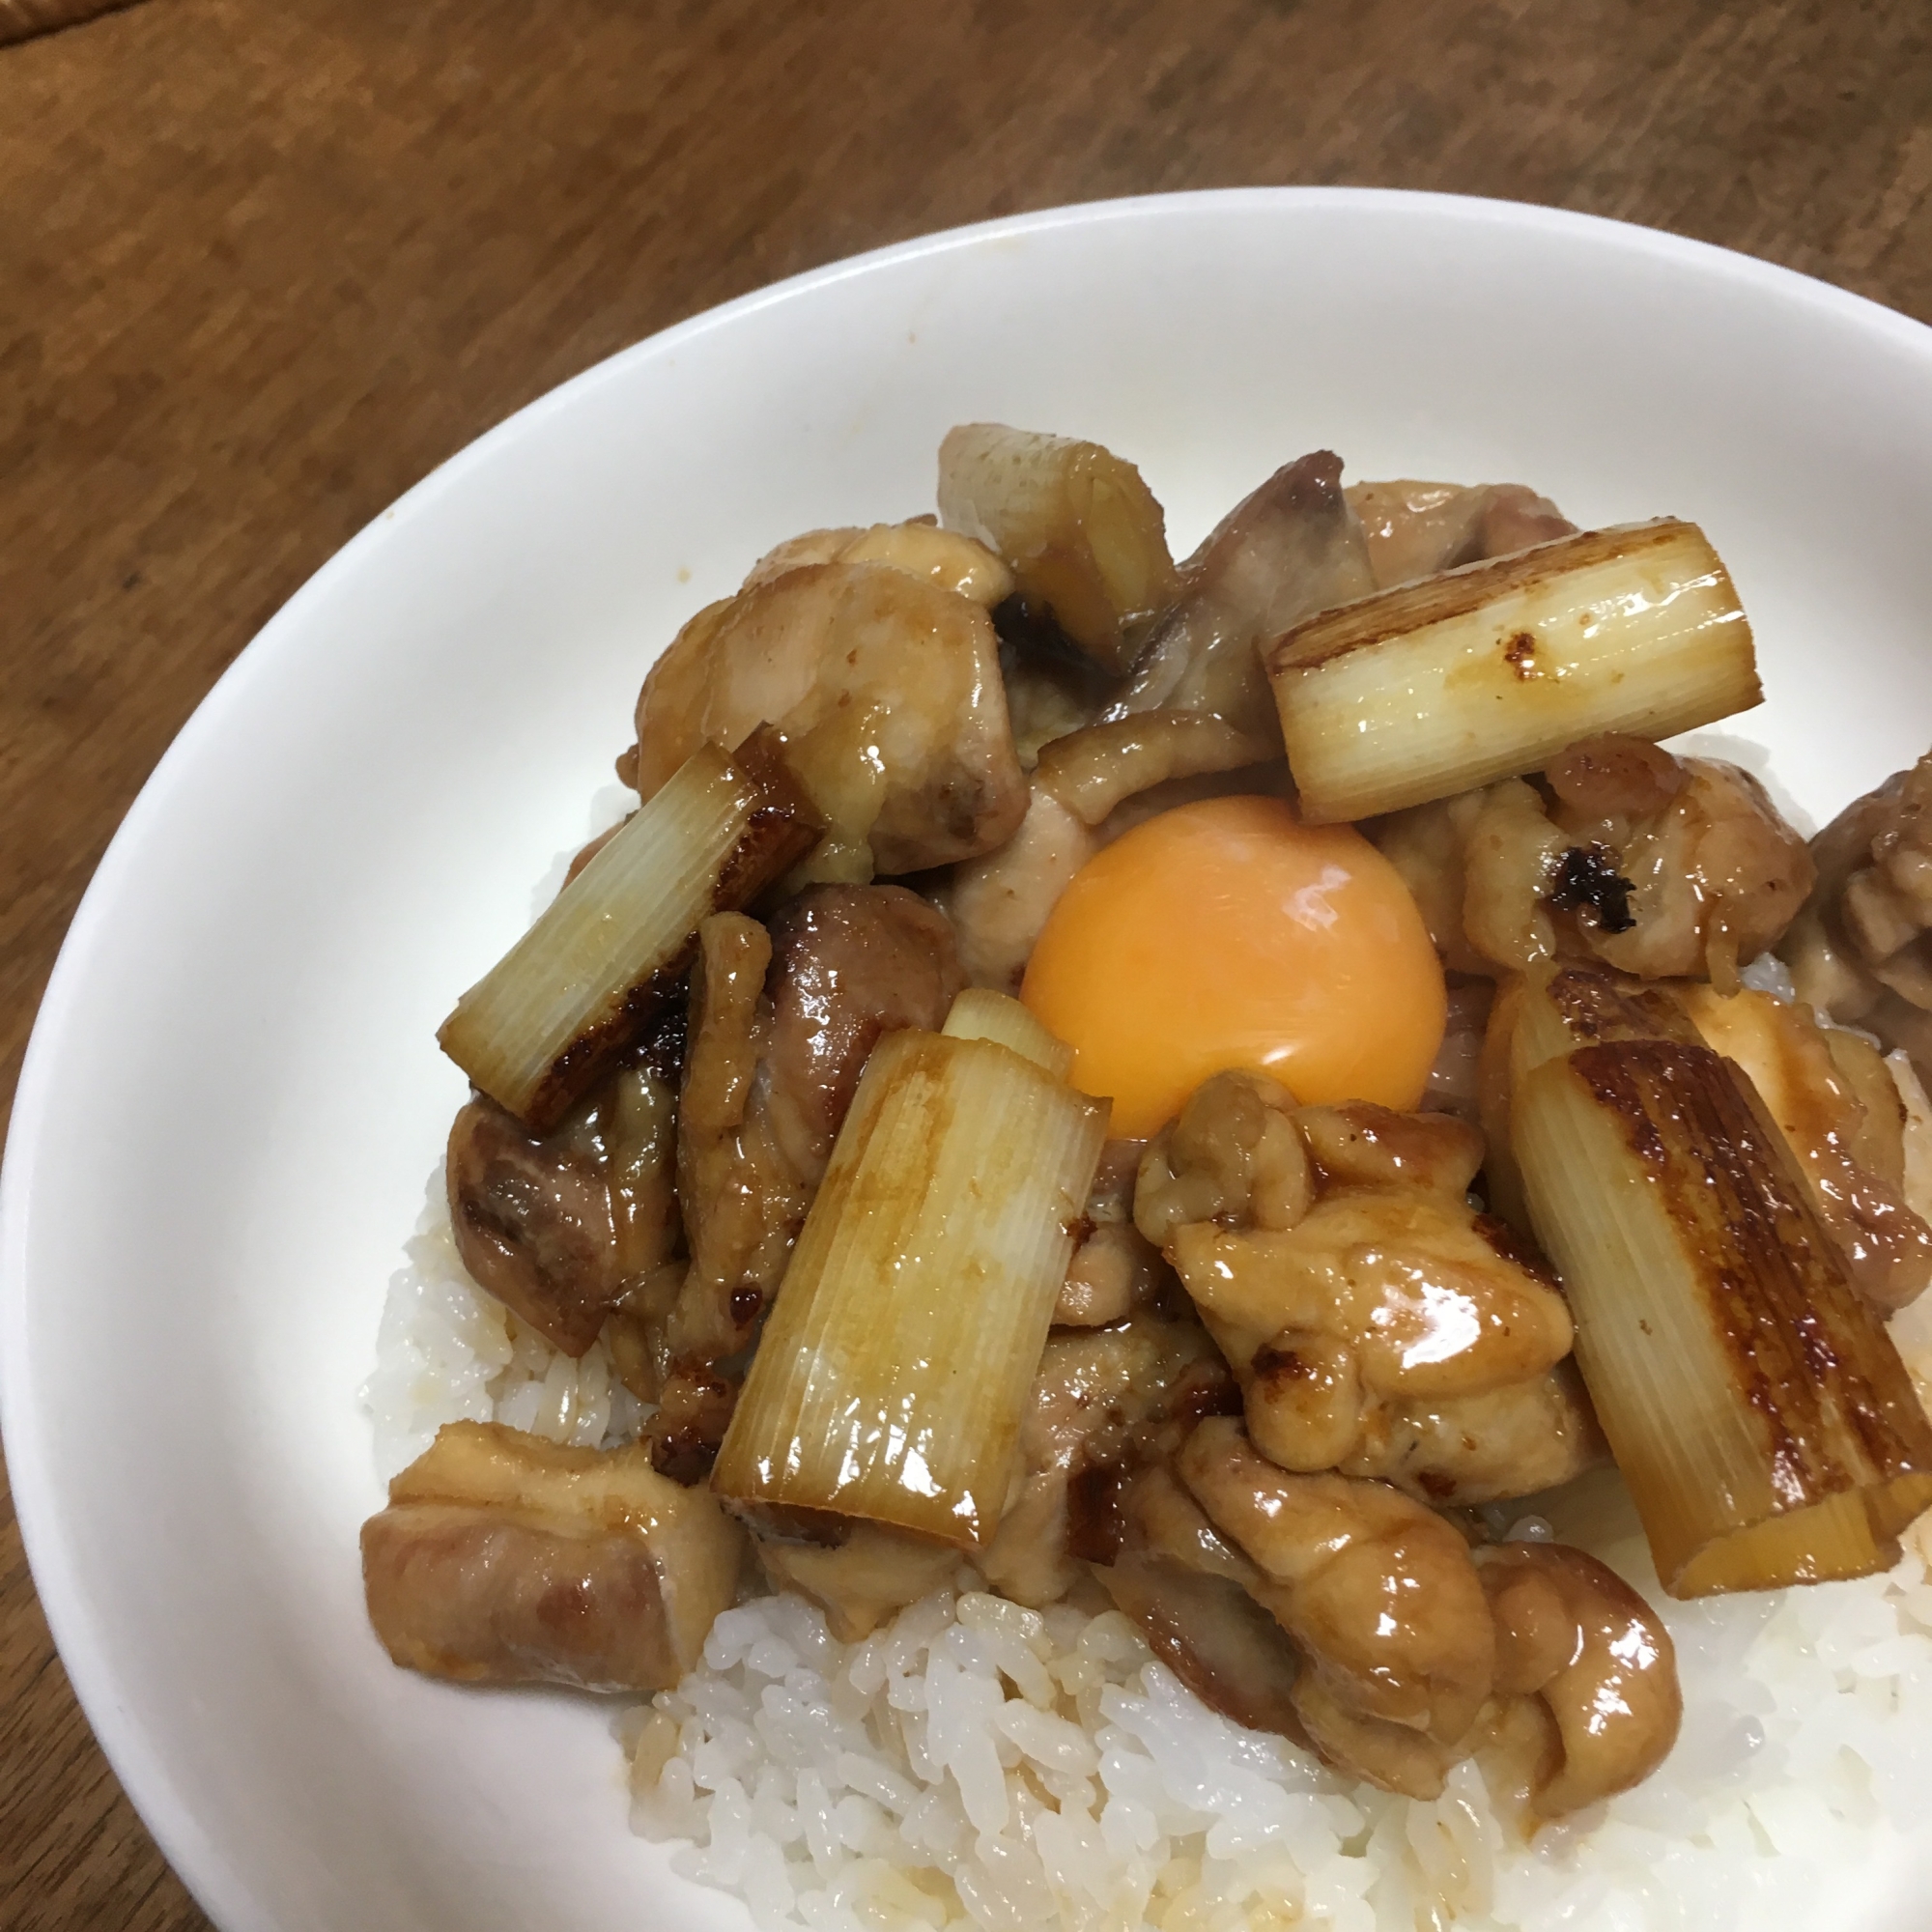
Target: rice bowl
[336,1146]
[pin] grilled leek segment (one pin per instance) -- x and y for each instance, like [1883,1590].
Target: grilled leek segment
[1759,1413]
[1484,672]
[1080,529]
[579,987]
[892,1376]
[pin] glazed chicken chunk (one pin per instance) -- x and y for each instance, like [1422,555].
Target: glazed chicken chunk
[883,682]
[1416,530]
[1115,1270]
[1377,1323]
[1587,1698]
[1378,1595]
[560,1226]
[1355,1621]
[1105,1404]
[1660,866]
[1860,948]
[1193,1593]
[506,1559]
[1291,548]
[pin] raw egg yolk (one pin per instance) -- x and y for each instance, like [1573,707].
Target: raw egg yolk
[1229,934]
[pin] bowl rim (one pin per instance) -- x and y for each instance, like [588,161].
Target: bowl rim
[139,1758]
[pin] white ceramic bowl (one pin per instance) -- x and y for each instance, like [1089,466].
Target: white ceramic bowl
[233,1096]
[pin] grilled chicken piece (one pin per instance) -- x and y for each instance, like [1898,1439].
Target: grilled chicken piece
[505,1559]
[1106,1402]
[1291,548]
[1453,1086]
[1859,949]
[1416,529]
[1660,866]
[1193,1594]
[1375,1320]
[1461,1451]
[1716,874]
[560,1226]
[999,904]
[1377,1593]
[860,1574]
[919,547]
[1587,1698]
[1482,867]
[884,686]
[1841,1117]
[781,1023]
[1115,1270]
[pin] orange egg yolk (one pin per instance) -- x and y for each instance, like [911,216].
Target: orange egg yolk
[1229,934]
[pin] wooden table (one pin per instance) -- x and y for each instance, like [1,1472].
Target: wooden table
[263,266]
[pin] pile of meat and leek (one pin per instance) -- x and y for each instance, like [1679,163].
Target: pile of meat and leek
[753,1103]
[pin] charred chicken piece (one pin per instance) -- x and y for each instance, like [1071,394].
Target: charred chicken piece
[1660,866]
[781,1022]
[1483,866]
[505,1559]
[1859,951]
[1376,1322]
[1377,1593]
[560,1226]
[1587,1698]
[1716,874]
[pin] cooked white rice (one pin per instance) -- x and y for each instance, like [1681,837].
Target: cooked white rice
[977,1763]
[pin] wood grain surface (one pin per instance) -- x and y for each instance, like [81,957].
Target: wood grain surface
[263,266]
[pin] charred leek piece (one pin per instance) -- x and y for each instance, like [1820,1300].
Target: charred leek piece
[536,1029]
[1483,673]
[1080,528]
[1759,1413]
[981,1014]
[892,1377]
